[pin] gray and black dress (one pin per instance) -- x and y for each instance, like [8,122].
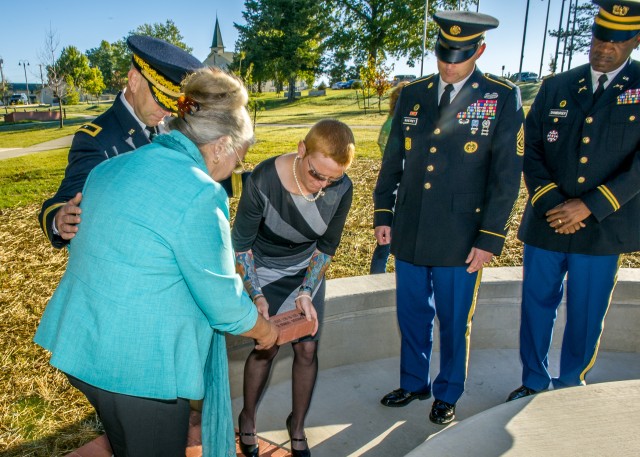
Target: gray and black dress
[283,230]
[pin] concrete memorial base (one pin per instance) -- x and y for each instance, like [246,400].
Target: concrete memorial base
[595,420]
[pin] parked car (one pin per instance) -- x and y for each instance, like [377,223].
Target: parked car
[399,78]
[19,99]
[339,85]
[525,77]
[352,84]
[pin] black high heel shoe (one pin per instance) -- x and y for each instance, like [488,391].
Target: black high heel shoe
[249,450]
[297,452]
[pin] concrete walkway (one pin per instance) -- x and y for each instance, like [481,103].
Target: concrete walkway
[347,420]
[59,143]
[65,142]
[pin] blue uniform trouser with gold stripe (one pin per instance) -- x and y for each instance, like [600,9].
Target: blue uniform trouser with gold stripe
[421,294]
[590,283]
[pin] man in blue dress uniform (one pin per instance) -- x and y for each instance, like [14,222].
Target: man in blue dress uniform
[454,156]
[153,88]
[582,170]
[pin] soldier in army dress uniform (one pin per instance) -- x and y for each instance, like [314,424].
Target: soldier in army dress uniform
[454,156]
[582,170]
[152,91]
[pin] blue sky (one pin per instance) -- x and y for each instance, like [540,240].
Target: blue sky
[22,36]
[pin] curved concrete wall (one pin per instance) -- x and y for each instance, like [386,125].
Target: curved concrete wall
[360,322]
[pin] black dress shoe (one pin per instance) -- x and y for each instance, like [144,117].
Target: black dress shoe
[297,452]
[521,392]
[249,450]
[442,412]
[402,397]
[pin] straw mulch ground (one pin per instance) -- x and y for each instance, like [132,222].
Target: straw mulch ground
[40,414]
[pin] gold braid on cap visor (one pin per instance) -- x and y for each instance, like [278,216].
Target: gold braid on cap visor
[163,90]
[613,22]
[164,100]
[459,38]
[615,18]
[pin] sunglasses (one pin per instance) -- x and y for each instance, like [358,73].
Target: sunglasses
[318,177]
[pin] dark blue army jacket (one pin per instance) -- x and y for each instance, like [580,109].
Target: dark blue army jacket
[577,149]
[457,175]
[114,132]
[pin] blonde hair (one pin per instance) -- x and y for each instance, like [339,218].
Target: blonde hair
[395,94]
[333,139]
[219,110]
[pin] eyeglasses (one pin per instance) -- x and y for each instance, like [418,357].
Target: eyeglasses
[318,177]
[239,168]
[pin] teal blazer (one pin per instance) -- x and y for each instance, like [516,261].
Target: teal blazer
[150,281]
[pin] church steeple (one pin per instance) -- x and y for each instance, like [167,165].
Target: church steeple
[217,45]
[217,56]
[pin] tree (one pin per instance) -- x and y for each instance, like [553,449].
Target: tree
[122,55]
[375,77]
[282,39]
[74,64]
[94,84]
[168,32]
[72,97]
[553,64]
[382,28]
[577,36]
[103,58]
[55,80]
[336,65]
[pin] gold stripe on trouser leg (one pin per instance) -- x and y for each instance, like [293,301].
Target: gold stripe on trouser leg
[595,352]
[472,310]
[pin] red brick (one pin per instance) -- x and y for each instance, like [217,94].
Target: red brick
[292,325]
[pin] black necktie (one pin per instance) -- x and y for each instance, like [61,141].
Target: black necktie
[152,132]
[445,100]
[600,89]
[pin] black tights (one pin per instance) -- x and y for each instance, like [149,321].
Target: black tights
[303,379]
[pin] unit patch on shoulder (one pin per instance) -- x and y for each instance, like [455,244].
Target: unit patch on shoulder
[90,129]
[520,141]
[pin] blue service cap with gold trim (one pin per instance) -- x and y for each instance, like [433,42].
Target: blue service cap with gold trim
[617,20]
[164,66]
[460,34]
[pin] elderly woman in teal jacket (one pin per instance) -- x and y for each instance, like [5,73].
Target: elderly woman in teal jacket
[137,320]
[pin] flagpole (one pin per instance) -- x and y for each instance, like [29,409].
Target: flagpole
[424,36]
[524,37]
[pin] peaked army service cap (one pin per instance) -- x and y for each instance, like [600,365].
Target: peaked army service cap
[461,33]
[617,20]
[164,66]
